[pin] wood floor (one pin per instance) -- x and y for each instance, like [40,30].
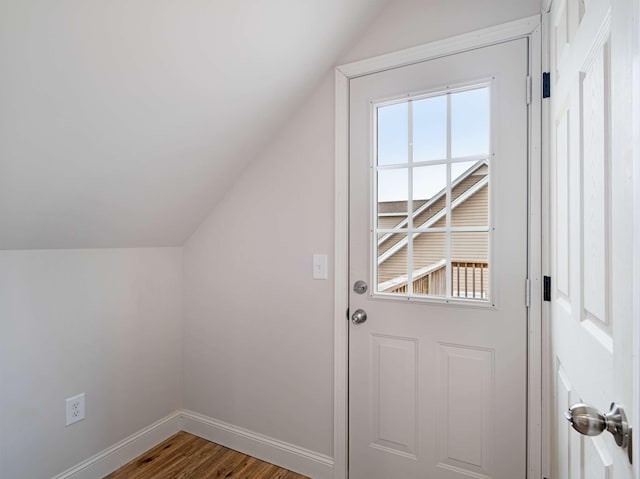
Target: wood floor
[185,456]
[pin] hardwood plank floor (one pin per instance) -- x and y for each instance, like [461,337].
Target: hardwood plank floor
[185,456]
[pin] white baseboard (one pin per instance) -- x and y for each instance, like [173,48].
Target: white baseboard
[112,458]
[274,451]
[280,453]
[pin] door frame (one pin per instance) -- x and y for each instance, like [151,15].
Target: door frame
[635,79]
[530,28]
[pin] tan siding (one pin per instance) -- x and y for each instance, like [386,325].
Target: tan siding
[429,212]
[470,247]
[385,222]
[428,248]
[465,184]
[390,242]
[474,211]
[395,266]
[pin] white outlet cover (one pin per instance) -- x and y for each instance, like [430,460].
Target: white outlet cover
[75,409]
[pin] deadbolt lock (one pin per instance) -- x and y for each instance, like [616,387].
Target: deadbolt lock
[360,287]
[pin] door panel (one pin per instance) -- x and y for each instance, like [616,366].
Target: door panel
[394,394]
[586,355]
[464,428]
[438,228]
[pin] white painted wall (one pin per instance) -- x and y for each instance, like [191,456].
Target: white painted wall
[124,121]
[103,322]
[258,330]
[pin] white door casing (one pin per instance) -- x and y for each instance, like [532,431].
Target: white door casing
[439,388]
[591,228]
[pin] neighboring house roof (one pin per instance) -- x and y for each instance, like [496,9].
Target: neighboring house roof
[397,208]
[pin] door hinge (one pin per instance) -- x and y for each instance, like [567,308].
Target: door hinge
[529,84]
[546,85]
[527,292]
[547,288]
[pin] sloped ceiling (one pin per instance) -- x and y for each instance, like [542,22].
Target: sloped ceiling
[123,121]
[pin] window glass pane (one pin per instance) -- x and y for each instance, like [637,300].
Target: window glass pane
[430,129]
[392,265]
[393,186]
[429,264]
[429,196]
[428,181]
[470,123]
[470,265]
[462,169]
[393,134]
[471,198]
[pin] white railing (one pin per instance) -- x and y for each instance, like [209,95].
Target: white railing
[469,279]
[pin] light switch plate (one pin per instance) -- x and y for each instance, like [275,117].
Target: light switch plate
[320,266]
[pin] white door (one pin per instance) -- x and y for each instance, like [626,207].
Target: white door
[438,231]
[591,239]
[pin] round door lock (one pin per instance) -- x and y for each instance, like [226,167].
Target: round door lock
[359,316]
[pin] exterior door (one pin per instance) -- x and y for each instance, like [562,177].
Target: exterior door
[591,236]
[438,232]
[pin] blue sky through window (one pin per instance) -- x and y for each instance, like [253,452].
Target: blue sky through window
[469,136]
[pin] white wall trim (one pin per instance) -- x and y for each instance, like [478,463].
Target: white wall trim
[459,43]
[536,392]
[341,279]
[635,52]
[119,454]
[524,28]
[547,373]
[274,451]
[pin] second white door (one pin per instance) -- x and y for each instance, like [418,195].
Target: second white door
[591,245]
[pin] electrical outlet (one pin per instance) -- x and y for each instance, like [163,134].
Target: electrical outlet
[75,409]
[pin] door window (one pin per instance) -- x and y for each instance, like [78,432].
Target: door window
[431,237]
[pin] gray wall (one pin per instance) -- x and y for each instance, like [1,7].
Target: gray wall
[104,322]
